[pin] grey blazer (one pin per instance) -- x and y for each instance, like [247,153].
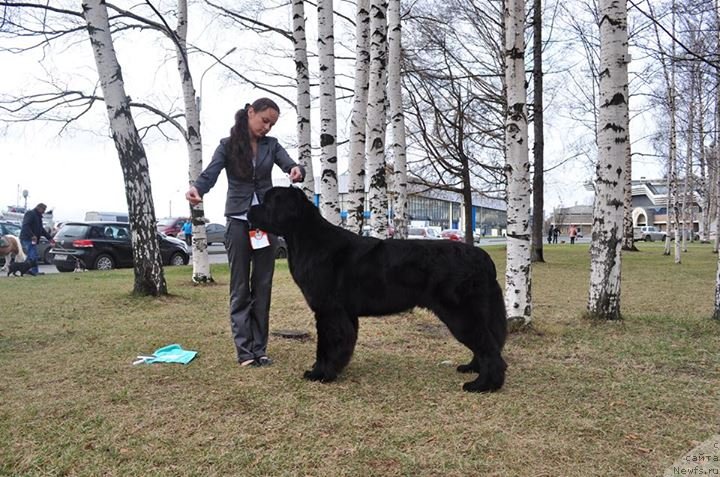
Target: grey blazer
[240,191]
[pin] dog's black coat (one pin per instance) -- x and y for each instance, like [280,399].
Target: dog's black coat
[22,267]
[344,276]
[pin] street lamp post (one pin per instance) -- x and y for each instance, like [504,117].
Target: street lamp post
[198,99]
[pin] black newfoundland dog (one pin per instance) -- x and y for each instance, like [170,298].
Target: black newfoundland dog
[344,276]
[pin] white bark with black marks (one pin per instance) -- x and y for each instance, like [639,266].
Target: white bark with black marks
[518,296]
[329,203]
[302,76]
[149,275]
[200,257]
[398,146]
[610,180]
[375,167]
[355,203]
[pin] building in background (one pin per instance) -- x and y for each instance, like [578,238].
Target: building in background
[649,207]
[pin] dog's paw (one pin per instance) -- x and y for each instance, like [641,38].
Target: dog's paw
[315,375]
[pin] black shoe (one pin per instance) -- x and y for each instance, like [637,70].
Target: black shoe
[263,361]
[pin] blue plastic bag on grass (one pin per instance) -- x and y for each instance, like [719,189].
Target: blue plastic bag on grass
[173,353]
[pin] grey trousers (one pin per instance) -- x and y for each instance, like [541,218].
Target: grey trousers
[251,274]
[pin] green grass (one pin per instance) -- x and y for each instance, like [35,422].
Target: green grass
[581,398]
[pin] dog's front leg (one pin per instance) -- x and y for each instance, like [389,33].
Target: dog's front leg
[336,335]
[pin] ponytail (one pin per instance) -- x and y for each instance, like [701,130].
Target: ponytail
[240,153]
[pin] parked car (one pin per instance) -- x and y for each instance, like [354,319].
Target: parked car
[44,246]
[215,233]
[171,225]
[107,245]
[453,234]
[423,233]
[9,228]
[648,233]
[44,250]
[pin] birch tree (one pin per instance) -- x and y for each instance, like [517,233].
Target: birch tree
[518,296]
[538,137]
[375,165]
[200,258]
[398,146]
[605,248]
[329,204]
[149,275]
[672,196]
[302,74]
[355,202]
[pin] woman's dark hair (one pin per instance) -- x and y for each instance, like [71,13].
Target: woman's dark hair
[239,149]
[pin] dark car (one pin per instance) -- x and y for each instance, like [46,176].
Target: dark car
[44,247]
[9,228]
[107,245]
[171,226]
[215,233]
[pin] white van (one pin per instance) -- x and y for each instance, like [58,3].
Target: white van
[106,217]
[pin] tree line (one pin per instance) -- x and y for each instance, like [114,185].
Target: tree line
[429,92]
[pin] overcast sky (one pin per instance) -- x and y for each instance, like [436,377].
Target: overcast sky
[79,171]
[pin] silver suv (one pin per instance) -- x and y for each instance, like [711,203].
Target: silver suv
[648,233]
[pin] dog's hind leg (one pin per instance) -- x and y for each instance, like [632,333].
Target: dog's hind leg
[336,334]
[485,344]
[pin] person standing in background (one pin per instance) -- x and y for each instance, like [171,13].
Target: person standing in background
[187,232]
[30,233]
[573,233]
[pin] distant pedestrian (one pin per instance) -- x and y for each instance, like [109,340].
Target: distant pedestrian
[551,231]
[556,234]
[573,233]
[187,232]
[30,233]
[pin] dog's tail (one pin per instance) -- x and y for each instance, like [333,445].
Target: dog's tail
[20,255]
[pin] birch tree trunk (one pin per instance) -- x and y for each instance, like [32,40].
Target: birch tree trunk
[377,193]
[329,205]
[673,191]
[539,139]
[302,76]
[627,235]
[149,275]
[518,297]
[200,257]
[689,141]
[605,248]
[355,203]
[672,202]
[702,165]
[397,120]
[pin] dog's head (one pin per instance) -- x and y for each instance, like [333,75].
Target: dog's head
[282,209]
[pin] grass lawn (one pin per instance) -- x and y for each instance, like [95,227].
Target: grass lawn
[581,398]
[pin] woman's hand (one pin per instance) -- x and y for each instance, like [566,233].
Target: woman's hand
[193,196]
[295,174]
